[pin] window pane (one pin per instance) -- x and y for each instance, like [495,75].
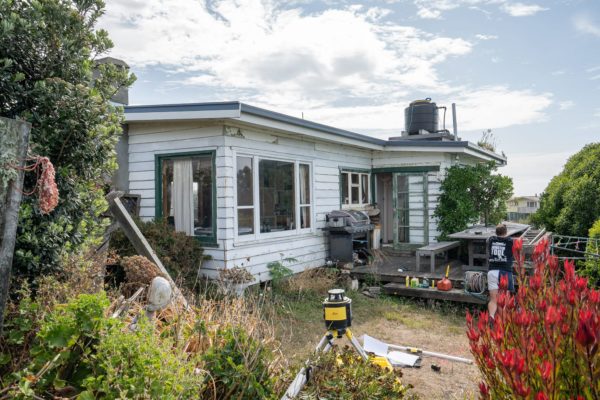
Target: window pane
[167,189]
[246,221]
[276,188]
[304,184]
[365,188]
[345,199]
[202,187]
[244,181]
[355,178]
[304,217]
[196,187]
[354,192]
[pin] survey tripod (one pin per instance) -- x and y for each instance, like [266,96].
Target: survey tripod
[337,313]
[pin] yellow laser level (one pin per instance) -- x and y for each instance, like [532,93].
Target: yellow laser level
[337,311]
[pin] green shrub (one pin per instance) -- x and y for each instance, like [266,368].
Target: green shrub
[141,365]
[180,254]
[238,364]
[21,325]
[60,353]
[591,267]
[470,194]
[279,271]
[342,374]
[80,350]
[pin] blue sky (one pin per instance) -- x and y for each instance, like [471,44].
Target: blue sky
[528,70]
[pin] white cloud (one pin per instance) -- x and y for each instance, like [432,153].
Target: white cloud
[477,109]
[558,72]
[285,55]
[565,105]
[522,10]
[593,69]
[486,37]
[531,172]
[434,9]
[427,13]
[349,67]
[595,77]
[498,107]
[584,24]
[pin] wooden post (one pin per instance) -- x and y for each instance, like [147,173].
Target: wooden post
[14,141]
[138,240]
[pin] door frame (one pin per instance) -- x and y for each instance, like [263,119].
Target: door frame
[425,209]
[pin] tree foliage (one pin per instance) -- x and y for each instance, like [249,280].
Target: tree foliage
[47,53]
[470,194]
[591,266]
[571,202]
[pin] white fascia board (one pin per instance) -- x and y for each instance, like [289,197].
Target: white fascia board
[484,155]
[180,115]
[424,149]
[312,133]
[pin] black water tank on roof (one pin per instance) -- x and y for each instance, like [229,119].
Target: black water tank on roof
[421,114]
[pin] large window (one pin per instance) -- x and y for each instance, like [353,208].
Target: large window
[272,196]
[355,188]
[185,193]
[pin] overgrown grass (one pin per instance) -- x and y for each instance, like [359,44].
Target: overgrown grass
[299,314]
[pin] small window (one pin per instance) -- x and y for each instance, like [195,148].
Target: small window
[245,196]
[355,188]
[304,189]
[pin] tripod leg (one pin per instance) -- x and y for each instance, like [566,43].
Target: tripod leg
[300,380]
[356,345]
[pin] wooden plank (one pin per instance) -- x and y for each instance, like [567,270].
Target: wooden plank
[138,240]
[451,295]
[439,246]
[14,139]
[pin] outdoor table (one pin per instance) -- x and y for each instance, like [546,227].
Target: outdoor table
[480,235]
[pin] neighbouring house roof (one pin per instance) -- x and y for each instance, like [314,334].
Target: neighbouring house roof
[248,113]
[517,198]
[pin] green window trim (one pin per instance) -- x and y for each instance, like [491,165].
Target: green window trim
[410,169]
[208,241]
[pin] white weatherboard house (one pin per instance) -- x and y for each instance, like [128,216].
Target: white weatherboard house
[255,186]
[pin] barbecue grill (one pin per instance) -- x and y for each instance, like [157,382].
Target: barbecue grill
[348,233]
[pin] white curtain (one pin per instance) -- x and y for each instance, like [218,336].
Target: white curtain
[183,196]
[304,194]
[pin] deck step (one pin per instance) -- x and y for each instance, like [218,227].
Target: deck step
[457,295]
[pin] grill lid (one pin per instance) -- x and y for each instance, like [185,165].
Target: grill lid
[350,217]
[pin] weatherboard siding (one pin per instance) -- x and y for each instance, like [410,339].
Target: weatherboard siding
[309,248]
[150,139]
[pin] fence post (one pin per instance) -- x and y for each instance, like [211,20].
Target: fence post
[14,141]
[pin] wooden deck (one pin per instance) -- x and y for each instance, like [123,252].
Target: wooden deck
[393,270]
[396,269]
[459,295]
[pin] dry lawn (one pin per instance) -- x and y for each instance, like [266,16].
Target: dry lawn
[437,327]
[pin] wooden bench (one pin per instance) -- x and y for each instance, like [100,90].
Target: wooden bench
[432,250]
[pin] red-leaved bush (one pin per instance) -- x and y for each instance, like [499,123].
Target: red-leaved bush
[544,341]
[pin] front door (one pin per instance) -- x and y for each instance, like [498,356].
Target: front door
[411,211]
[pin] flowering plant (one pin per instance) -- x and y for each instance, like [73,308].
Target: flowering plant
[544,342]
